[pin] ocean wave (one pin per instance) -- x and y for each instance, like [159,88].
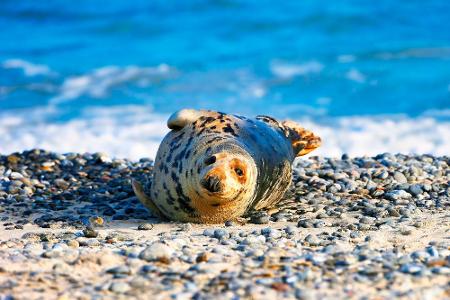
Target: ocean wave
[346,58]
[289,70]
[129,131]
[437,52]
[28,68]
[98,83]
[359,136]
[136,131]
[355,75]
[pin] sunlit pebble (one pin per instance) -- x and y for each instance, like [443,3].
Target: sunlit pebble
[97,221]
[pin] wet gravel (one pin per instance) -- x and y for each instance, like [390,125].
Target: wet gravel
[354,228]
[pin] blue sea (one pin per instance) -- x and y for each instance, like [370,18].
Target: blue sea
[368,76]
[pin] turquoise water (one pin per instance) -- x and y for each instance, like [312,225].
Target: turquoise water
[291,58]
[367,76]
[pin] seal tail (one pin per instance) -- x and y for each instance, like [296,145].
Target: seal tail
[303,141]
[146,200]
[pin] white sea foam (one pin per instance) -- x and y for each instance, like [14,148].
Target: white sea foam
[355,75]
[98,83]
[346,58]
[129,131]
[29,69]
[135,131]
[289,70]
[373,135]
[438,52]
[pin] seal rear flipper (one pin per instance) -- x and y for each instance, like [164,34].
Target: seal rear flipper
[182,118]
[146,200]
[303,141]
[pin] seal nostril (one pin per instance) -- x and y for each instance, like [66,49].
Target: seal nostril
[212,184]
[210,160]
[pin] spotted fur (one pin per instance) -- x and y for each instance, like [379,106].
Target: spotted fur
[248,159]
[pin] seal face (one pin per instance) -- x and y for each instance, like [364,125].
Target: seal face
[212,167]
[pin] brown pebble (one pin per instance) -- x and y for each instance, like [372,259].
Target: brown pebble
[437,263]
[406,231]
[13,159]
[164,260]
[202,257]
[280,287]
[73,244]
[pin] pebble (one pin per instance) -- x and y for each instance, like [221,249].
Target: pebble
[420,255]
[260,218]
[89,242]
[229,223]
[415,189]
[119,287]
[119,270]
[15,175]
[61,183]
[208,232]
[89,232]
[433,251]
[145,226]
[156,251]
[399,177]
[305,223]
[254,240]
[405,231]
[73,243]
[397,194]
[220,234]
[312,240]
[411,268]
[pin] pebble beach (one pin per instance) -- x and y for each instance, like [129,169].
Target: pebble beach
[348,228]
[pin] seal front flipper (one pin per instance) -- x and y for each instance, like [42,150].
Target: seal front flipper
[303,141]
[183,117]
[146,200]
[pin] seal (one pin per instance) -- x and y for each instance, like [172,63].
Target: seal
[213,167]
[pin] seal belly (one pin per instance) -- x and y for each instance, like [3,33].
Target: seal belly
[273,156]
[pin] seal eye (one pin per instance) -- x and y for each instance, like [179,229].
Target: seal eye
[239,172]
[210,160]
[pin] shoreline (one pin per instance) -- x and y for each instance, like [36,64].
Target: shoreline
[71,228]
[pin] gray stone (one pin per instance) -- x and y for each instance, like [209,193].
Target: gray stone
[415,189]
[145,226]
[119,287]
[312,240]
[119,270]
[156,251]
[397,195]
[221,234]
[411,268]
[399,177]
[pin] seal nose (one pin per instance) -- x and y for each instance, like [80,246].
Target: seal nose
[212,184]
